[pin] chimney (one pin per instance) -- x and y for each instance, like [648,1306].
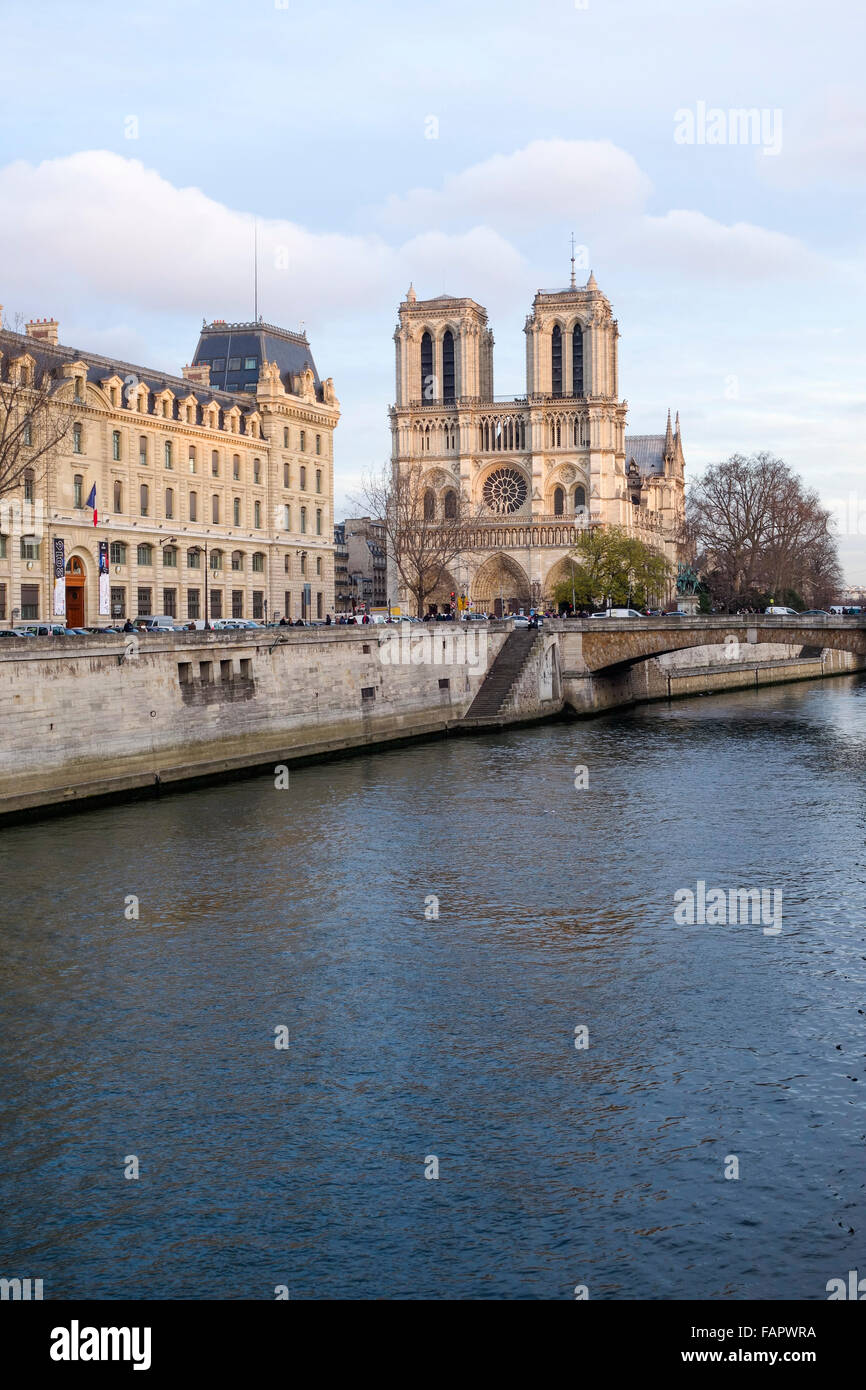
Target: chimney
[44,330]
[199,376]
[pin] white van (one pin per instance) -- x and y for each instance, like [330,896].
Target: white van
[618,613]
[778,612]
[160,622]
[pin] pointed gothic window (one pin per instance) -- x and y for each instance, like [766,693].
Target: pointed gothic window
[450,504]
[429,505]
[448,366]
[556,360]
[428,385]
[577,361]
[580,499]
[558,502]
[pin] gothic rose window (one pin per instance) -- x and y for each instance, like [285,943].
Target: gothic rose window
[505,491]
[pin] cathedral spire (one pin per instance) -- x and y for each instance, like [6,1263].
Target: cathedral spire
[573,284]
[669,439]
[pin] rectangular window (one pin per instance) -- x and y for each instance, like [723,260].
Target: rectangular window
[117,553]
[225,670]
[219,364]
[29,600]
[77,439]
[234,364]
[250,364]
[29,549]
[193,559]
[205,670]
[237,603]
[368,692]
[319,613]
[257,515]
[318,443]
[77,491]
[286,475]
[303,482]
[287,600]
[184,672]
[246,668]
[193,506]
[2,601]
[259,562]
[144,603]
[216,603]
[118,603]
[169,557]
[169,602]
[303,438]
[145,555]
[193,603]
[258,603]
[115,445]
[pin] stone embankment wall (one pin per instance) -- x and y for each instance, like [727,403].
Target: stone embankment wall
[105,716]
[99,716]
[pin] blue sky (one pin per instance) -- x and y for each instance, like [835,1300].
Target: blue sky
[737,276]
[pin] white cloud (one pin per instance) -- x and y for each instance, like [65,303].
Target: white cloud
[696,245]
[97,226]
[574,180]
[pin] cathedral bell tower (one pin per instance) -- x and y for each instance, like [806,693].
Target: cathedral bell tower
[444,351]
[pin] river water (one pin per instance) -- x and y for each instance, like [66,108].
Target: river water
[413,1038]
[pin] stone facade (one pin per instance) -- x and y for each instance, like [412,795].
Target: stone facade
[532,471]
[196,486]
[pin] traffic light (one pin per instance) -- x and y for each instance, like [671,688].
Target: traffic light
[453,596]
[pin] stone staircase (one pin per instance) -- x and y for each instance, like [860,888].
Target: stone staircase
[497,684]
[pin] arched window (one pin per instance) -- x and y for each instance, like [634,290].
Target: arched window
[29,485]
[237,559]
[428,384]
[169,502]
[216,559]
[144,499]
[448,366]
[558,502]
[193,506]
[118,496]
[215,509]
[429,506]
[579,498]
[450,504]
[577,361]
[556,360]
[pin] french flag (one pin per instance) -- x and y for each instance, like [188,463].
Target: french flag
[91,502]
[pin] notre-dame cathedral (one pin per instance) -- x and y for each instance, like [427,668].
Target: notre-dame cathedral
[532,470]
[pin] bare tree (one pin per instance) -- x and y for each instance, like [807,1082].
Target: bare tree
[421,546]
[33,425]
[755,528]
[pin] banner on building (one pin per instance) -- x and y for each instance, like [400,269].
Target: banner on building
[59,579]
[104,581]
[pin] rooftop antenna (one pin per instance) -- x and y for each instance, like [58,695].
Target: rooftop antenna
[573,285]
[256,266]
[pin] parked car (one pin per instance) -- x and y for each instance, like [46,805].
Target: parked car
[815,613]
[45,629]
[778,611]
[14,632]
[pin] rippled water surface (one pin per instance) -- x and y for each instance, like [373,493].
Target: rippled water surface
[453,1037]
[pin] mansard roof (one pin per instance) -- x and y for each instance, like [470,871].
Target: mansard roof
[220,341]
[99,368]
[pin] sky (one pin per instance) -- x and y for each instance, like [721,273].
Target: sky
[458,146]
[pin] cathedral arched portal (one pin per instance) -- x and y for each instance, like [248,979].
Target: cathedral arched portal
[500,586]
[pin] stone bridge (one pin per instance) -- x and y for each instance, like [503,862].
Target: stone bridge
[608,645]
